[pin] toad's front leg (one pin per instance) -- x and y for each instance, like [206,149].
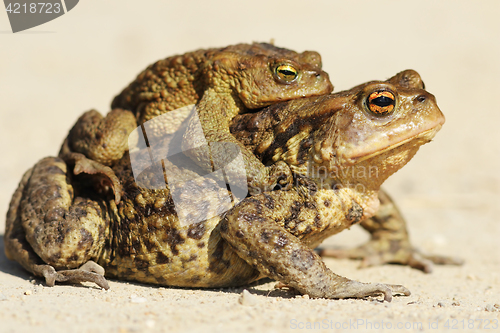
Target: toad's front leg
[255,229]
[215,111]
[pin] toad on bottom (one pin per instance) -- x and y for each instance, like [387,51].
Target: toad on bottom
[341,148]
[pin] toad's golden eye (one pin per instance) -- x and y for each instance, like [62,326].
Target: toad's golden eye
[381,103]
[286,73]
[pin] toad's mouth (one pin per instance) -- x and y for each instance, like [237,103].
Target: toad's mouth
[424,137]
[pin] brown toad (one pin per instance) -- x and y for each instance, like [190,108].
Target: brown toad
[221,82]
[57,222]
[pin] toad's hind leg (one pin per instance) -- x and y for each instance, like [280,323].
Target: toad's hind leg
[50,233]
[389,242]
[254,230]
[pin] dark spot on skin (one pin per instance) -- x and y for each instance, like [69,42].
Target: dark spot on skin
[201,245]
[281,241]
[174,238]
[86,240]
[294,213]
[257,205]
[297,205]
[355,213]
[308,230]
[265,236]
[269,201]
[309,205]
[251,217]
[59,239]
[161,258]
[253,254]
[195,279]
[192,257]
[240,234]
[79,212]
[150,245]
[74,257]
[302,259]
[140,264]
[196,231]
[317,221]
[52,260]
[327,203]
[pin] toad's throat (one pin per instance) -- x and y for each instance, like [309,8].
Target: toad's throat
[425,136]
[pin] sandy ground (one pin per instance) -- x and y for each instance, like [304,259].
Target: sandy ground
[449,193]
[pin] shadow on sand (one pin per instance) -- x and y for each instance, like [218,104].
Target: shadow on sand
[8,266]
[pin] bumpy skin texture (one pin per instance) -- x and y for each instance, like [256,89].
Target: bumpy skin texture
[331,142]
[222,83]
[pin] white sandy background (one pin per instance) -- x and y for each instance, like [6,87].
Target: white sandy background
[450,192]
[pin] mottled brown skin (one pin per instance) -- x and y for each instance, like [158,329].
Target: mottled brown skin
[222,83]
[389,236]
[57,221]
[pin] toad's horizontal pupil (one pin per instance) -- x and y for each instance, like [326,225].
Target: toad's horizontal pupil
[382,101]
[286,72]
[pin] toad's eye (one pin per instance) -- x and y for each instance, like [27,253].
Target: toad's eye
[381,103]
[286,73]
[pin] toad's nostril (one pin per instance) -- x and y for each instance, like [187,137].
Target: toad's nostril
[421,98]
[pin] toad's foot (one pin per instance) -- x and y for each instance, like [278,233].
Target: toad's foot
[101,177]
[374,253]
[355,289]
[89,272]
[359,290]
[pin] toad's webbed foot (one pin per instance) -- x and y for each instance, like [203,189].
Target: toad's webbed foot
[374,253]
[360,290]
[89,272]
[355,289]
